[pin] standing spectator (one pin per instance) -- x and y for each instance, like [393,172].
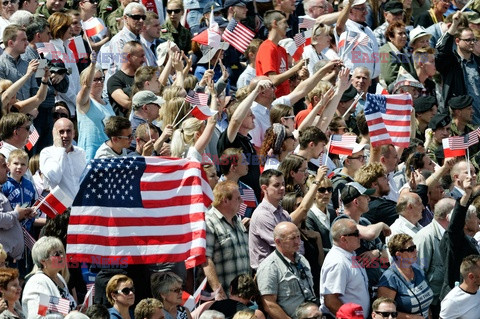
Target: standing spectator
[49,7]
[88,9]
[392,12]
[460,173]
[173,30]
[149,37]
[249,73]
[409,208]
[28,5]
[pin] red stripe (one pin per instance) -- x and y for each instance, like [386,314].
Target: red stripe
[374,121]
[170,168]
[55,203]
[399,134]
[397,123]
[199,114]
[392,100]
[47,210]
[379,131]
[340,150]
[170,184]
[178,200]
[129,221]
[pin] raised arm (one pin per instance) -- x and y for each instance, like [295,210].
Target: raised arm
[278,79]
[343,17]
[26,106]
[83,97]
[317,109]
[206,136]
[12,91]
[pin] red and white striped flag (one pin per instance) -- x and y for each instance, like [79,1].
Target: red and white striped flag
[60,305]
[32,138]
[55,203]
[305,22]
[342,144]
[463,142]
[238,35]
[92,27]
[448,152]
[88,301]
[29,240]
[77,46]
[388,119]
[144,210]
[197,98]
[203,112]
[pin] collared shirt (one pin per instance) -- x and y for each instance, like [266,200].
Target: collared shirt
[246,76]
[149,54]
[116,46]
[322,217]
[227,245]
[264,219]
[403,226]
[262,123]
[13,69]
[342,275]
[380,34]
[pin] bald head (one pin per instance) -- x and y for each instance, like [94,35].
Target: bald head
[282,229]
[63,132]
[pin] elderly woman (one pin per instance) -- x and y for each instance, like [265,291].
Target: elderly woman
[320,41]
[48,256]
[393,54]
[434,15]
[149,308]
[10,290]
[92,110]
[121,294]
[61,30]
[294,169]
[277,144]
[404,281]
[167,287]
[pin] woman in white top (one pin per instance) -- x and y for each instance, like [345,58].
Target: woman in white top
[321,41]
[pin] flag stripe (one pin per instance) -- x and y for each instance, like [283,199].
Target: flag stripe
[150,239]
[152,221]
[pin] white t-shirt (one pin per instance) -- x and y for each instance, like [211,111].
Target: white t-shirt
[459,304]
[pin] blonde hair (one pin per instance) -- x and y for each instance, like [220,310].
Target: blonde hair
[18,154]
[3,253]
[244,314]
[112,286]
[185,136]
[171,92]
[169,111]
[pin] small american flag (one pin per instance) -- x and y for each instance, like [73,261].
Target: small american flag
[32,138]
[196,98]
[88,301]
[342,144]
[61,305]
[463,142]
[29,241]
[238,35]
[45,47]
[306,22]
[249,201]
[299,39]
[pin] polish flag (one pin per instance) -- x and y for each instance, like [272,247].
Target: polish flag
[214,37]
[78,47]
[43,302]
[55,203]
[92,27]
[448,152]
[88,301]
[203,112]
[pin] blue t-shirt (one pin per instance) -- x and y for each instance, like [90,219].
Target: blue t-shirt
[414,299]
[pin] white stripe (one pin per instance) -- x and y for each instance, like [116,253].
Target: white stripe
[136,250]
[376,127]
[158,161]
[170,194]
[393,117]
[61,196]
[135,231]
[137,212]
[380,137]
[398,128]
[176,175]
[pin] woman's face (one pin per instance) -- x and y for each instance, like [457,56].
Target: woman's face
[290,142]
[55,260]
[399,38]
[289,121]
[69,33]
[9,7]
[98,81]
[428,164]
[212,176]
[408,255]
[322,41]
[324,193]
[300,176]
[174,13]
[174,295]
[12,293]
[124,295]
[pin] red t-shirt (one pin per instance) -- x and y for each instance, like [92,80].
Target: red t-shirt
[273,58]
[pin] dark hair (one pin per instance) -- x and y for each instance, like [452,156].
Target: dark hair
[115,125]
[265,177]
[362,123]
[244,286]
[311,134]
[230,156]
[10,122]
[97,311]
[38,25]
[390,32]
[289,201]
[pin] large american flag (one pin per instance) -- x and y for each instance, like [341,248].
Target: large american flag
[342,144]
[388,119]
[463,142]
[238,35]
[142,209]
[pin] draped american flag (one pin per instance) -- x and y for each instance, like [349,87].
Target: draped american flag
[388,119]
[197,98]
[238,35]
[342,144]
[142,209]
[465,141]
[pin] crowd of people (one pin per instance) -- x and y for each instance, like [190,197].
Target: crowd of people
[296,229]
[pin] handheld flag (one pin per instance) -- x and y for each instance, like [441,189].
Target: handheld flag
[238,35]
[55,203]
[78,47]
[92,27]
[342,144]
[32,138]
[448,152]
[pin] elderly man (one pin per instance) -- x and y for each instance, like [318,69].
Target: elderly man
[307,310]
[225,258]
[342,280]
[284,277]
[409,208]
[392,12]
[62,164]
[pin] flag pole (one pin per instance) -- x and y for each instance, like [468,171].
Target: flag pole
[468,162]
[180,121]
[357,98]
[328,149]
[179,110]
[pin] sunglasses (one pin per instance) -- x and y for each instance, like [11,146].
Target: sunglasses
[100,79]
[5,3]
[137,16]
[176,290]
[354,234]
[325,189]
[129,137]
[57,253]
[58,115]
[126,291]
[290,117]
[176,11]
[410,249]
[289,136]
[386,314]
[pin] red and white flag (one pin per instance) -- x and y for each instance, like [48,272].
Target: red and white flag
[197,98]
[55,203]
[45,47]
[88,301]
[238,35]
[93,26]
[448,152]
[388,119]
[60,305]
[141,210]
[32,138]
[203,112]
[77,46]
[43,302]
[463,142]
[342,144]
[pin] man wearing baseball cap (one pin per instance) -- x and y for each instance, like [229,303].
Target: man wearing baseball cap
[392,12]
[350,311]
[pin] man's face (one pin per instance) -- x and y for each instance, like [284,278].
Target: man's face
[137,57]
[472,224]
[282,27]
[466,42]
[275,189]
[361,81]
[135,20]
[76,25]
[242,165]
[318,149]
[386,308]
[317,8]
[290,242]
[425,117]
[363,203]
[391,160]
[464,115]
[464,173]
[152,110]
[356,160]
[55,5]
[30,6]
[240,12]
[45,35]
[352,238]
[383,187]
[64,130]
[442,132]
[248,122]
[20,43]
[393,17]
[287,6]
[418,207]
[153,29]
[235,202]
[358,13]
[3,170]
[125,137]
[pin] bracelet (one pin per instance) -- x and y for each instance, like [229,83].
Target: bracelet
[316,182]
[46,83]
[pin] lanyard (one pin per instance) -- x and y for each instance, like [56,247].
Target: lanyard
[301,270]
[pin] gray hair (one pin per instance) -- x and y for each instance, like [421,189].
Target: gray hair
[22,18]
[443,207]
[341,227]
[212,314]
[302,310]
[134,5]
[43,247]
[362,69]
[162,282]
[76,315]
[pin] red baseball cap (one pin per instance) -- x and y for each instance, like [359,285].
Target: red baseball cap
[350,311]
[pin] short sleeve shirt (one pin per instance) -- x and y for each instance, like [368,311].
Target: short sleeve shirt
[273,58]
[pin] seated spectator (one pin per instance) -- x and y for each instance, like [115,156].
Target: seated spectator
[99,311]
[10,290]
[403,281]
[150,308]
[48,255]
[121,295]
[432,16]
[167,287]
[119,132]
[307,310]
[294,170]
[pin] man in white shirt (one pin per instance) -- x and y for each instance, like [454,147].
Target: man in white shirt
[458,174]
[410,208]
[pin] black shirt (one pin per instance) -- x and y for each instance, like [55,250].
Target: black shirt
[122,81]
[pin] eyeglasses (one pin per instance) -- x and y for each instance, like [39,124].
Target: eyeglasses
[290,136]
[325,189]
[137,16]
[361,158]
[356,233]
[410,249]
[129,137]
[58,115]
[57,253]
[176,290]
[7,2]
[290,117]
[176,11]
[386,314]
[473,40]
[126,291]
[25,127]
[100,79]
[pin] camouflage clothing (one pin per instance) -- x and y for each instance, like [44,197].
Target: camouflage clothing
[474,149]
[180,36]
[42,11]
[113,23]
[106,7]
